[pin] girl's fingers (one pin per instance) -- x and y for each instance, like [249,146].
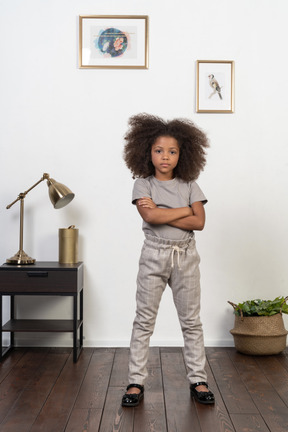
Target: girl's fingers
[146,202]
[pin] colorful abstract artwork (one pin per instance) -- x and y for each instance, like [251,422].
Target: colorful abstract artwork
[113,42]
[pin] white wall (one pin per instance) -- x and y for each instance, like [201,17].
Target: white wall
[70,123]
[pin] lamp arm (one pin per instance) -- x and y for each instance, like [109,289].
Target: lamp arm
[23,194]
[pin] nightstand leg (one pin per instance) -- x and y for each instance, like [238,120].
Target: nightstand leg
[1,328]
[81,319]
[75,313]
[4,350]
[12,316]
[77,348]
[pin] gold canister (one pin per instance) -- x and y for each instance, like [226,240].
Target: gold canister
[68,245]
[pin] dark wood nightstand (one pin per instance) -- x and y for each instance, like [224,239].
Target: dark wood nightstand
[43,278]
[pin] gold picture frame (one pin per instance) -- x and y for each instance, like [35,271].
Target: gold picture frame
[113,41]
[215,86]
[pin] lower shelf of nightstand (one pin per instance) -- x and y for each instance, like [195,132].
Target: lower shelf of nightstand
[33,325]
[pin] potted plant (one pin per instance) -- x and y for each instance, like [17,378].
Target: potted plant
[259,326]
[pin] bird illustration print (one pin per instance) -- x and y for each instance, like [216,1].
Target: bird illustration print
[215,85]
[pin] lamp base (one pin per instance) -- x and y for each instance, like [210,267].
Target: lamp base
[20,258]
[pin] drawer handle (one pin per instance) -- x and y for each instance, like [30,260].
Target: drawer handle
[37,274]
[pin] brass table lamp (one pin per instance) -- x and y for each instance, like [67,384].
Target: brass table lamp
[60,195]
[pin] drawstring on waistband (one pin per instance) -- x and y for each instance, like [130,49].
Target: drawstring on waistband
[178,250]
[171,246]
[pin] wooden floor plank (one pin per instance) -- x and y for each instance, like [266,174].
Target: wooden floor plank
[154,360]
[234,393]
[180,409]
[24,412]
[56,411]
[214,417]
[94,387]
[270,405]
[84,420]
[283,359]
[276,374]
[150,415]
[119,375]
[18,379]
[10,361]
[248,423]
[115,418]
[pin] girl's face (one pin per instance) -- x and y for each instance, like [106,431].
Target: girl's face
[165,155]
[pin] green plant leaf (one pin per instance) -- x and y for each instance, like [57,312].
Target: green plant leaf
[260,307]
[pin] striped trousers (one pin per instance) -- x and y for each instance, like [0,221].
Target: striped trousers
[174,263]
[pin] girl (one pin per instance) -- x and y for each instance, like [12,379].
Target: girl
[166,158]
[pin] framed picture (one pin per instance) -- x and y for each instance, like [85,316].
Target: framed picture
[215,86]
[113,41]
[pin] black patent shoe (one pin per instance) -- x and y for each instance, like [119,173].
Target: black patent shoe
[202,397]
[133,399]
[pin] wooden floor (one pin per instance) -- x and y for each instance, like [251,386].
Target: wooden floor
[43,390]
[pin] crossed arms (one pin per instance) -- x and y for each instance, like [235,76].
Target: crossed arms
[186,218]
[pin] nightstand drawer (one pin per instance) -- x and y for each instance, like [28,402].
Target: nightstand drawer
[38,281]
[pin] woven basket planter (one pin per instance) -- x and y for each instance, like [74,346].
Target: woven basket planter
[259,335]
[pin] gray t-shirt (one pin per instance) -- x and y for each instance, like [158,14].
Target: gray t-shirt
[167,194]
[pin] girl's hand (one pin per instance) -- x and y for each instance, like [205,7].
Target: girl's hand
[196,221]
[146,202]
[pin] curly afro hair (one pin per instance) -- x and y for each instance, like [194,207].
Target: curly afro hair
[142,134]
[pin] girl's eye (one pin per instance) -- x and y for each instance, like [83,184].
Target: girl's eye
[158,151]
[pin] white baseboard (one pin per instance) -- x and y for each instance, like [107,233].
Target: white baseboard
[64,340]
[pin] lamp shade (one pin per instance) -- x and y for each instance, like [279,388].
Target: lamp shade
[59,194]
